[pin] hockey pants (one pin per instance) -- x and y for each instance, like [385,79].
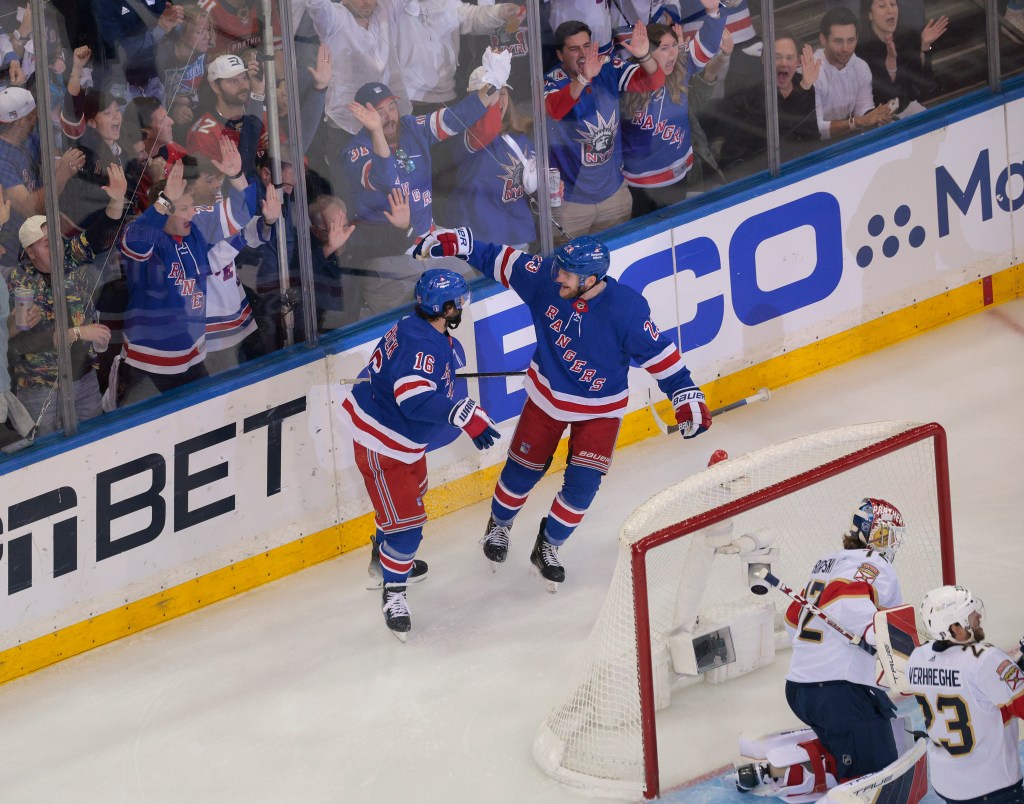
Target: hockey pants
[396,490]
[591,444]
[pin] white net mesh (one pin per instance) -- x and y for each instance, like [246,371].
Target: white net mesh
[593,738]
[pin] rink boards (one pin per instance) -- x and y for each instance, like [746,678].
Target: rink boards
[152,514]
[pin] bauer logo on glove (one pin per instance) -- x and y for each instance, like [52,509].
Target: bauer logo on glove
[692,414]
[473,419]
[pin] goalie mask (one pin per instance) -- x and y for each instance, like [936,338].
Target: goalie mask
[878,525]
[947,606]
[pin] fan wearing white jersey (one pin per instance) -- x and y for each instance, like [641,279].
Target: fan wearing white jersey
[831,685]
[970,692]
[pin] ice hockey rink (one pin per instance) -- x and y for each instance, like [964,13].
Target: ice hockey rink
[296,692]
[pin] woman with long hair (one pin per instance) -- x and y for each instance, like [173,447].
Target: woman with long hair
[657,149]
[497,174]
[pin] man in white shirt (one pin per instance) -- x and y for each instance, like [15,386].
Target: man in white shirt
[843,98]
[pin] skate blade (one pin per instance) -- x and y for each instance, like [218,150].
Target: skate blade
[401,636]
[549,586]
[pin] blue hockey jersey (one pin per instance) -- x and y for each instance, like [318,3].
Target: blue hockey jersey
[585,144]
[410,394]
[490,196]
[165,323]
[408,166]
[657,149]
[577,375]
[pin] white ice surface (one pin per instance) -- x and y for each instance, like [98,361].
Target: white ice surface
[296,692]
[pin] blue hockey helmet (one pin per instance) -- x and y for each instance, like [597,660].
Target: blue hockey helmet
[584,256]
[437,287]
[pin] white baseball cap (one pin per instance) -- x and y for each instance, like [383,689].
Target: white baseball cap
[31,230]
[227,66]
[15,103]
[476,81]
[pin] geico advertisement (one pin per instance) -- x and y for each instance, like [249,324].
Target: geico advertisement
[148,508]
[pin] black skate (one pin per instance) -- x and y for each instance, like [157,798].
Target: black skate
[396,610]
[495,542]
[545,558]
[418,573]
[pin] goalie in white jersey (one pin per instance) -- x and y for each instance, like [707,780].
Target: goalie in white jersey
[831,685]
[970,692]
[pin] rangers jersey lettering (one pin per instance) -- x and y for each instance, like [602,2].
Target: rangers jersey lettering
[969,695]
[581,366]
[850,586]
[165,323]
[656,146]
[410,394]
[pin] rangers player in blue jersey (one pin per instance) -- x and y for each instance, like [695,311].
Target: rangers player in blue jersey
[409,398]
[588,328]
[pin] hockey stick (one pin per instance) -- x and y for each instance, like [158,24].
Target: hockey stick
[808,606]
[474,375]
[761,396]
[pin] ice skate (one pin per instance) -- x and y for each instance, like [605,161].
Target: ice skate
[418,573]
[545,558]
[755,778]
[396,610]
[495,542]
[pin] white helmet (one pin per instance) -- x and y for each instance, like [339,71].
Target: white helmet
[946,606]
[878,525]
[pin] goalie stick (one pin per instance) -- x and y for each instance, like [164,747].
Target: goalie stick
[808,606]
[761,396]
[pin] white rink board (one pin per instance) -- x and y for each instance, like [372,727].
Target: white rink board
[777,271]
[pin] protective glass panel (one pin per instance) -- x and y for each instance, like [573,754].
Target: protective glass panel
[419,133]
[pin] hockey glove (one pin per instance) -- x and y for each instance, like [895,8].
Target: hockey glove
[691,412]
[445,243]
[472,418]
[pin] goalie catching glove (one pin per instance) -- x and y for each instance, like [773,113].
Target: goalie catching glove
[472,418]
[692,414]
[445,243]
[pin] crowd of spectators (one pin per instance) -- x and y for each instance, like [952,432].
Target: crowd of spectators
[413,113]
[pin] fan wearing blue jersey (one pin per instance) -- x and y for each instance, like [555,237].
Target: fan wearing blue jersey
[657,150]
[409,398]
[588,329]
[581,98]
[497,173]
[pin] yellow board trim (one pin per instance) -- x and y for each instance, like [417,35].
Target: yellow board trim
[289,558]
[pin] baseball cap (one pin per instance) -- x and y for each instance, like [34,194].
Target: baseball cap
[373,93]
[226,66]
[31,230]
[15,103]
[476,81]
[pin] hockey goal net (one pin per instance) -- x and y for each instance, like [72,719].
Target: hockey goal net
[680,610]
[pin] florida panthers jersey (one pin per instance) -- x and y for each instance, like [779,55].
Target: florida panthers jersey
[409,164]
[580,368]
[969,695]
[657,149]
[850,586]
[165,323]
[410,394]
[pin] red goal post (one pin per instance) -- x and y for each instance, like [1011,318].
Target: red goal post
[679,610]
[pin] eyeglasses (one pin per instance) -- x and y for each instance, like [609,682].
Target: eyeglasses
[405,160]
